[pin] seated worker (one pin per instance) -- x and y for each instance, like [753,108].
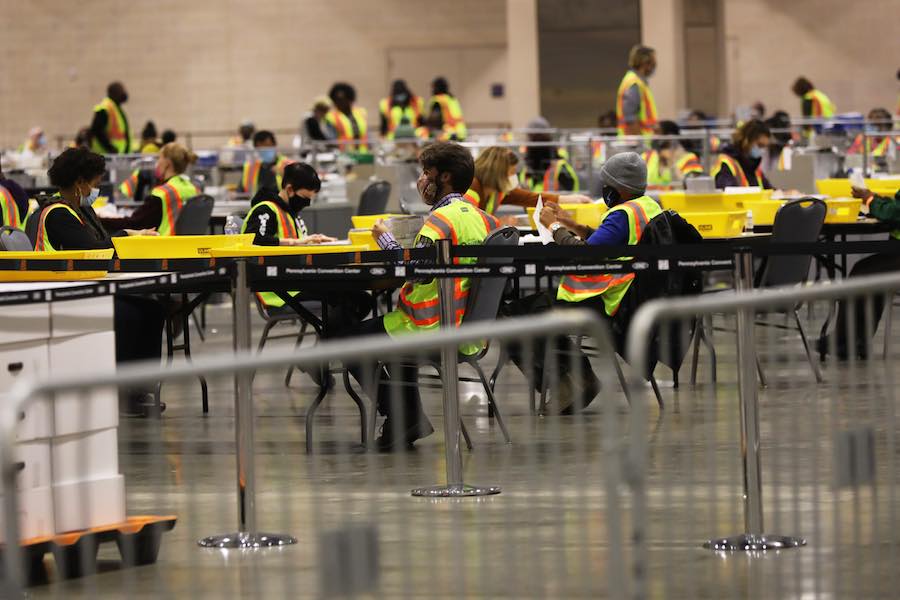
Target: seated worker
[68,223]
[275,215]
[624,181]
[546,168]
[312,127]
[13,203]
[264,169]
[445,111]
[814,103]
[162,206]
[887,210]
[402,107]
[876,146]
[149,144]
[244,135]
[447,172]
[738,165]
[139,183]
[496,183]
[669,161]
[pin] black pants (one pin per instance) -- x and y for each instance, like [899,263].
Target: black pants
[568,354]
[138,323]
[398,393]
[863,331]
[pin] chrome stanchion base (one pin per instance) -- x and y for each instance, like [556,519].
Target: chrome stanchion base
[247,540]
[455,491]
[747,542]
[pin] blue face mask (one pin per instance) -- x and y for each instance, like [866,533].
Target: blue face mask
[90,198]
[756,152]
[266,155]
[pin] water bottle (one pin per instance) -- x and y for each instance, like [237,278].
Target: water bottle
[748,227]
[231,226]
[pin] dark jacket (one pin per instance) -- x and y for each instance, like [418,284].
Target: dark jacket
[264,222]
[18,194]
[65,232]
[725,178]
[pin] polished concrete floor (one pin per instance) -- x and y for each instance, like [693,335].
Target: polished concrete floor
[572,520]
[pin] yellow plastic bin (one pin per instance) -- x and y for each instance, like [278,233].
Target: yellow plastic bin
[763,210]
[717,224]
[840,188]
[685,202]
[7,276]
[177,246]
[367,221]
[584,214]
[842,210]
[743,200]
[363,237]
[250,251]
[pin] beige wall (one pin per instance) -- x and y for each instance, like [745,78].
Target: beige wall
[207,64]
[848,49]
[662,28]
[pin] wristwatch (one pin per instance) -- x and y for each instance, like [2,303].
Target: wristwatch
[555,226]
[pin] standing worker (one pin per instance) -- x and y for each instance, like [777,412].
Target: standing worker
[445,106]
[109,129]
[161,207]
[815,104]
[347,122]
[669,161]
[546,168]
[312,127]
[635,106]
[402,107]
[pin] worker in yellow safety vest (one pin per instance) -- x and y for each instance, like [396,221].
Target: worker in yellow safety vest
[740,163]
[447,172]
[346,122]
[160,209]
[669,162]
[546,168]
[265,166]
[623,178]
[814,103]
[445,106]
[402,107]
[877,146]
[275,219]
[9,210]
[635,107]
[109,129]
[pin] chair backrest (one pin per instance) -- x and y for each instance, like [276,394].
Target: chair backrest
[374,198]
[485,293]
[193,218]
[796,221]
[14,240]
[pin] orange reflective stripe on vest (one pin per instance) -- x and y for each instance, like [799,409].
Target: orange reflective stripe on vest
[250,176]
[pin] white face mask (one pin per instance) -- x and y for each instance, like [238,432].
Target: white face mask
[513,182]
[90,198]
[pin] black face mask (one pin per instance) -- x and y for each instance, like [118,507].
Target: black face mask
[611,196]
[299,202]
[401,99]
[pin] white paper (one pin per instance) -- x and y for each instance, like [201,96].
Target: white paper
[750,189]
[856,180]
[543,232]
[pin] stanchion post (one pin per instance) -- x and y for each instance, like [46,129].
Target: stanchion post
[865,153]
[753,537]
[449,363]
[247,535]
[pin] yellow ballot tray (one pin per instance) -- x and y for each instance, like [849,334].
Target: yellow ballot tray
[363,237]
[367,221]
[717,224]
[177,246]
[285,250]
[842,210]
[840,188]
[35,275]
[584,214]
[684,202]
[763,210]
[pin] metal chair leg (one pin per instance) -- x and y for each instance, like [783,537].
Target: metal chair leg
[199,328]
[656,392]
[621,377]
[361,405]
[465,432]
[763,382]
[186,333]
[290,371]
[809,356]
[712,352]
[311,414]
[491,401]
[888,325]
[695,358]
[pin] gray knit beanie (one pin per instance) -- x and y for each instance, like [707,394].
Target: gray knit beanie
[625,171]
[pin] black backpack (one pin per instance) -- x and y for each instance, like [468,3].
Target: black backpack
[666,229]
